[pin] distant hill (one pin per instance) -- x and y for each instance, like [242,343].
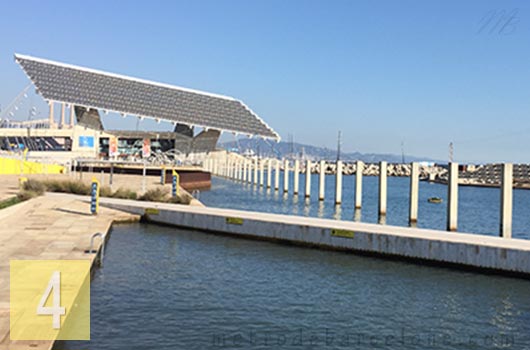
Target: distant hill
[291,150]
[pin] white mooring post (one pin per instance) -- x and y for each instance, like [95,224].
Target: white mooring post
[269,173]
[359,184]
[240,171]
[308,179]
[249,175]
[261,172]
[296,175]
[414,191]
[256,171]
[277,175]
[286,176]
[452,197]
[506,200]
[338,183]
[322,181]
[245,170]
[382,188]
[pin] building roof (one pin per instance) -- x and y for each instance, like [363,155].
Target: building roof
[112,92]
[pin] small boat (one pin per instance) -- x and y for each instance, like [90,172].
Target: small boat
[435,200]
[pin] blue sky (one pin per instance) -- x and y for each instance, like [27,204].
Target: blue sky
[384,72]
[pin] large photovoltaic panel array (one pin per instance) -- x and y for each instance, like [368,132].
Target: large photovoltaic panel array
[90,88]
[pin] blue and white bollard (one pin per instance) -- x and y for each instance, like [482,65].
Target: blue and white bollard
[94,194]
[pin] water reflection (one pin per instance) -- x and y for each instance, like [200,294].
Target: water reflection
[357,215]
[320,212]
[338,212]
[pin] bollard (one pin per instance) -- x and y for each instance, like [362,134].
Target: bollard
[414,189]
[452,197]
[506,200]
[175,183]
[111,176]
[94,197]
[296,176]
[286,176]
[277,176]
[269,173]
[338,183]
[382,189]
[245,170]
[308,179]
[322,181]
[359,184]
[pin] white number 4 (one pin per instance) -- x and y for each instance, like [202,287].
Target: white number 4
[55,310]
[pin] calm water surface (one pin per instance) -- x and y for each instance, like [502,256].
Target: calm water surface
[165,288]
[479,208]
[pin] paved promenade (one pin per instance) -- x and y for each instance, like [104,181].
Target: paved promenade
[49,227]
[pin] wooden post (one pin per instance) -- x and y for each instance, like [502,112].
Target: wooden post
[452,197]
[382,188]
[414,189]
[506,200]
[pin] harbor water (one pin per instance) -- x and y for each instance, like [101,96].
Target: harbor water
[478,210]
[167,288]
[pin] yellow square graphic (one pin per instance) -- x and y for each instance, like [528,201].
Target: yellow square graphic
[50,300]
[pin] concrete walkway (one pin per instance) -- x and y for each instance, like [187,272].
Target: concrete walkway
[51,227]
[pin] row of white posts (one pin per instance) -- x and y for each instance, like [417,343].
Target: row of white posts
[253,172]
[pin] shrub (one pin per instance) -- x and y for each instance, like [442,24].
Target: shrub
[24,195]
[34,186]
[124,193]
[158,194]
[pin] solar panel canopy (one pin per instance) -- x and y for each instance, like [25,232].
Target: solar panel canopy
[111,92]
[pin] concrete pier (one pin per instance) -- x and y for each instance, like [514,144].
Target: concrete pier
[414,192]
[359,184]
[286,176]
[338,183]
[382,188]
[505,230]
[452,197]
[464,249]
[322,181]
[269,173]
[277,175]
[308,179]
[296,176]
